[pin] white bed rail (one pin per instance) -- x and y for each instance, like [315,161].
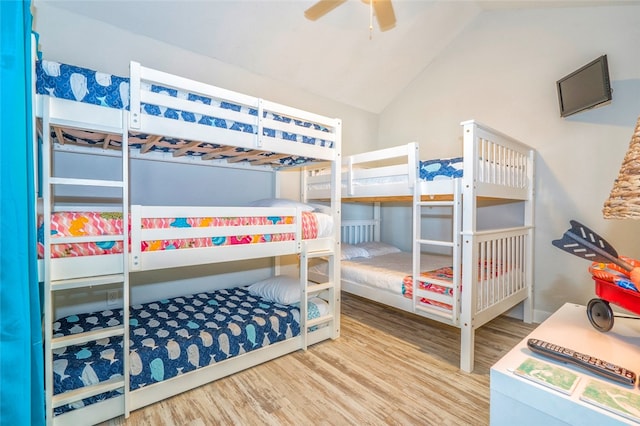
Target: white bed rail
[495,166]
[384,172]
[259,119]
[498,165]
[151,259]
[502,267]
[146,260]
[360,231]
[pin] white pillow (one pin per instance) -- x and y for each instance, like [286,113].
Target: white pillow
[377,248]
[281,202]
[349,251]
[321,304]
[281,289]
[321,208]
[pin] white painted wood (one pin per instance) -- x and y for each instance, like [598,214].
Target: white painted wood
[495,166]
[76,272]
[515,400]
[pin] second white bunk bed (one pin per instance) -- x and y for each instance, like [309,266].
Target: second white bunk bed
[485,271]
[103,364]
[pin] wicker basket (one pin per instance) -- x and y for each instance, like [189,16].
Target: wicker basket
[624,200]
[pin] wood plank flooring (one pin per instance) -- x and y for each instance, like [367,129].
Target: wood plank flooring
[387,368]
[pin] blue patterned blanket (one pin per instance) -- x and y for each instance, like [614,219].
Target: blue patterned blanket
[85,85]
[171,337]
[449,168]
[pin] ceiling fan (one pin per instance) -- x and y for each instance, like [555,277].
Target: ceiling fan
[383,10]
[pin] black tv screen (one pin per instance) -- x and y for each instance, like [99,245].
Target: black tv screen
[585,88]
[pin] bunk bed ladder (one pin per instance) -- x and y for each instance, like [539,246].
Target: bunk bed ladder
[60,279]
[454,243]
[309,289]
[330,289]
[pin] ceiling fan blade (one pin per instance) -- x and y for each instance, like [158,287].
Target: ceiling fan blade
[321,8]
[384,14]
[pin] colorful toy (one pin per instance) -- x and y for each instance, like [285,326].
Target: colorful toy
[617,278]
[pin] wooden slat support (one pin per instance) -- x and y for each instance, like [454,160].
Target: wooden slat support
[243,156]
[59,135]
[216,152]
[188,147]
[106,141]
[150,144]
[272,159]
[84,134]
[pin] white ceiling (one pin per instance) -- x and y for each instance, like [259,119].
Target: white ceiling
[337,56]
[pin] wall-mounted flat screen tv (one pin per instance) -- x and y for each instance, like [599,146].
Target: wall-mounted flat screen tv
[586,87]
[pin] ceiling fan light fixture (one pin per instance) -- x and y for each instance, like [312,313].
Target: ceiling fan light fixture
[321,8]
[383,9]
[384,14]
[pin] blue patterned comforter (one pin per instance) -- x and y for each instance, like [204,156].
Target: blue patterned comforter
[449,168]
[171,337]
[89,86]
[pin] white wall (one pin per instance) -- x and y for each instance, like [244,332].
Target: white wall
[502,71]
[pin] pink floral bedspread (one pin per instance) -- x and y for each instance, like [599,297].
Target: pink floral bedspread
[442,274]
[487,269]
[76,224]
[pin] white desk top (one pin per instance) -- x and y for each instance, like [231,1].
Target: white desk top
[570,327]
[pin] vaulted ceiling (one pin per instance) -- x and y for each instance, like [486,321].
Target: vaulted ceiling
[338,56]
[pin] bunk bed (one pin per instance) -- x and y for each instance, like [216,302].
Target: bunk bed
[102,364]
[485,271]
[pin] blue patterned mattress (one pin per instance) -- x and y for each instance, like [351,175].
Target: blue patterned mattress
[171,337]
[89,86]
[449,168]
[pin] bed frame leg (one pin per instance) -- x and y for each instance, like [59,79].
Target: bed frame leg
[527,311]
[467,345]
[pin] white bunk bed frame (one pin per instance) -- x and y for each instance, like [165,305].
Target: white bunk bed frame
[54,115]
[497,168]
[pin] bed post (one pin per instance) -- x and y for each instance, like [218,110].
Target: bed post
[469,249]
[529,221]
[336,210]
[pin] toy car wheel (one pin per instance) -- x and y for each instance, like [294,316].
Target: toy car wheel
[600,314]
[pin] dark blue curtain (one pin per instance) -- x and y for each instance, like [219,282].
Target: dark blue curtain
[21,357]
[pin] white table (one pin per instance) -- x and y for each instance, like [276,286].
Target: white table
[516,401]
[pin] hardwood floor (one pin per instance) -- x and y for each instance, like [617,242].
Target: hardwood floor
[387,367]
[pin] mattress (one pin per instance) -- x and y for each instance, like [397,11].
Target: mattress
[447,168]
[172,337]
[89,86]
[392,273]
[74,224]
[385,272]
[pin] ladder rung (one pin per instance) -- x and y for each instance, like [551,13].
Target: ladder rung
[86,282]
[93,126]
[86,239]
[425,294]
[89,336]
[86,182]
[319,320]
[436,243]
[87,391]
[319,253]
[435,203]
[433,310]
[313,288]
[441,283]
